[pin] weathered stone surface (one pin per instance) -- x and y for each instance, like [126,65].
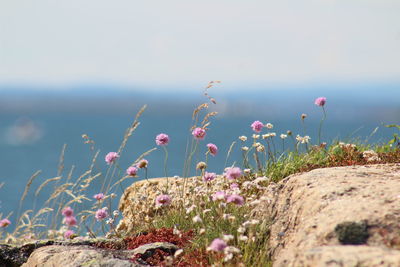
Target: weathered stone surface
[313,214]
[84,255]
[68,256]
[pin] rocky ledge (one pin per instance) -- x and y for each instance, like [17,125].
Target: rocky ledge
[345,216]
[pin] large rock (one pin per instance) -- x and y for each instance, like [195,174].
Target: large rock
[83,255]
[138,201]
[345,216]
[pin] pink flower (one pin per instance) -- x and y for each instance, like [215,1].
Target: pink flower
[142,164]
[131,171]
[209,176]
[70,221]
[101,214]
[220,195]
[257,126]
[199,133]
[320,101]
[217,245]
[67,212]
[162,139]
[68,234]
[99,196]
[234,186]
[213,149]
[111,157]
[163,200]
[232,173]
[4,223]
[236,199]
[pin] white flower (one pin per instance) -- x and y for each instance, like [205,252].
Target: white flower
[202,231]
[227,238]
[115,213]
[283,136]
[110,221]
[260,148]
[243,238]
[243,138]
[206,211]
[241,230]
[228,257]
[190,209]
[256,136]
[197,219]
[245,148]
[261,179]
[247,171]
[269,125]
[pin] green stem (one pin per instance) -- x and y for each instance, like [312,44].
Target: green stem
[165,166]
[320,125]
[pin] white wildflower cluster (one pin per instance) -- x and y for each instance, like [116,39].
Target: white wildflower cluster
[303,140]
[268,135]
[371,155]
[243,138]
[283,136]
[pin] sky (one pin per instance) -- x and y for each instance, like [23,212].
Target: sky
[181,43]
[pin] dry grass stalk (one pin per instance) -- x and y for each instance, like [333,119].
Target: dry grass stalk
[198,109]
[143,155]
[229,152]
[88,181]
[77,199]
[61,161]
[58,191]
[86,173]
[45,183]
[28,185]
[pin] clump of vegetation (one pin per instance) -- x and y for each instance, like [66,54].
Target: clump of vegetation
[207,216]
[352,233]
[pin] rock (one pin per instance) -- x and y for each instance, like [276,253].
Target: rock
[68,256]
[84,255]
[137,204]
[315,215]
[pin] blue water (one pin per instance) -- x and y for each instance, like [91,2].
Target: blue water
[19,162]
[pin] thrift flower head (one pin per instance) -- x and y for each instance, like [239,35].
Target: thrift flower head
[162,139]
[232,173]
[217,245]
[70,221]
[4,223]
[142,164]
[163,200]
[99,196]
[111,157]
[131,171]
[101,214]
[201,165]
[320,101]
[269,125]
[67,212]
[236,199]
[68,234]
[213,149]
[257,126]
[220,195]
[199,133]
[234,186]
[209,176]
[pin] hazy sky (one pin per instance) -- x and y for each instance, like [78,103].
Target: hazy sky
[179,42]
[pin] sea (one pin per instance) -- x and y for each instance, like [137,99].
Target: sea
[35,126]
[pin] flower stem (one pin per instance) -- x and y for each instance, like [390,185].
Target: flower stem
[320,125]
